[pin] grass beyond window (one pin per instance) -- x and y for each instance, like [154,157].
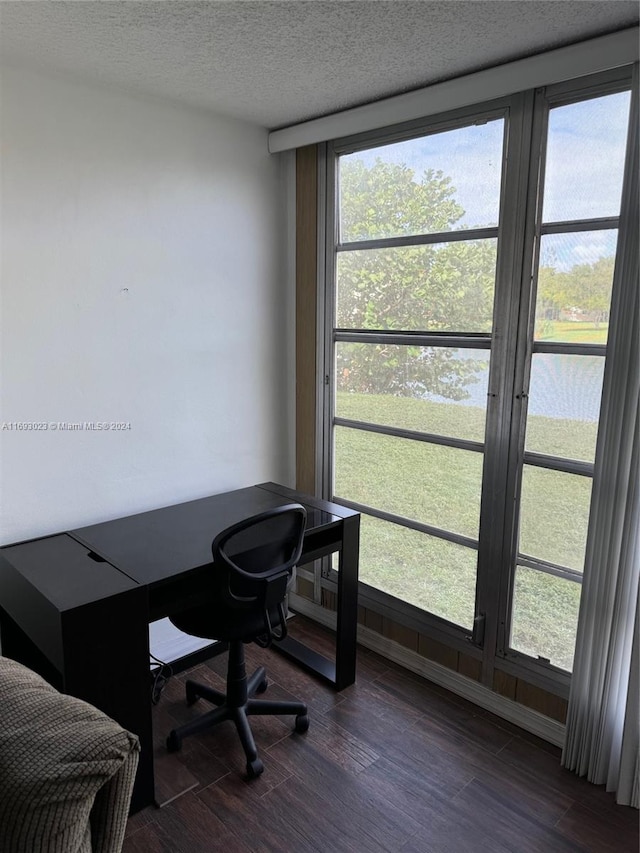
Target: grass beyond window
[441,486]
[574,333]
[425,571]
[425,482]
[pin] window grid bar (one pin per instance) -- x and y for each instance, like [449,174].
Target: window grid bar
[558,463]
[420,239]
[430,530]
[560,348]
[473,340]
[475,114]
[549,568]
[414,435]
[529,668]
[603,223]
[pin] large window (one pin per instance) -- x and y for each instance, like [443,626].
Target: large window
[470,268]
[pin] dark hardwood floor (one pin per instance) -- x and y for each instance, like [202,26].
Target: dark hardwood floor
[392,763]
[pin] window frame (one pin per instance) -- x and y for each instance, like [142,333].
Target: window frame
[518,234]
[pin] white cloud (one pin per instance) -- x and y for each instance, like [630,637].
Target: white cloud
[564,251]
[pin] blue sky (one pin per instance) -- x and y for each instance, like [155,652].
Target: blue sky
[583,179]
[585,158]
[470,156]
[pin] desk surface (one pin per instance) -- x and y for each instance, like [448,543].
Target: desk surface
[59,569]
[157,546]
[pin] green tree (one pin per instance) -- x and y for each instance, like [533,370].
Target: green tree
[432,288]
[588,287]
[585,288]
[385,200]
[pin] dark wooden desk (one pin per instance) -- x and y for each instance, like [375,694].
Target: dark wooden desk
[76,606]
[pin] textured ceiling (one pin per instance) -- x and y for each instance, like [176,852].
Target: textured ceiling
[277,63]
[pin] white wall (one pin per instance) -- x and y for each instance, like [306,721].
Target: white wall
[143,280]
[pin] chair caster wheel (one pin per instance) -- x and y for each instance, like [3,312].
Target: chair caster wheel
[192,695]
[174,743]
[262,686]
[254,768]
[302,723]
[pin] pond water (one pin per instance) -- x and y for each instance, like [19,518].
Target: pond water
[562,386]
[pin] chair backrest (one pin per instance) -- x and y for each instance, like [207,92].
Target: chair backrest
[262,544]
[255,559]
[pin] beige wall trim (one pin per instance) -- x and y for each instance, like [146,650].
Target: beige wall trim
[306,288]
[538,724]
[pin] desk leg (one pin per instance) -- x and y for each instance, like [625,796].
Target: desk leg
[106,663]
[347,626]
[342,673]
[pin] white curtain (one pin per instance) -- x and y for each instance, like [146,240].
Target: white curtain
[602,720]
[628,774]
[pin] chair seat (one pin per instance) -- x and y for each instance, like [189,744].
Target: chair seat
[213,622]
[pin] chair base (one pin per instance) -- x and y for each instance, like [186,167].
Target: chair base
[237,704]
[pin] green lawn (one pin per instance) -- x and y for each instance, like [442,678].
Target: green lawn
[440,486]
[574,332]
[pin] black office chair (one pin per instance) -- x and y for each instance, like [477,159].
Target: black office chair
[253,565]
